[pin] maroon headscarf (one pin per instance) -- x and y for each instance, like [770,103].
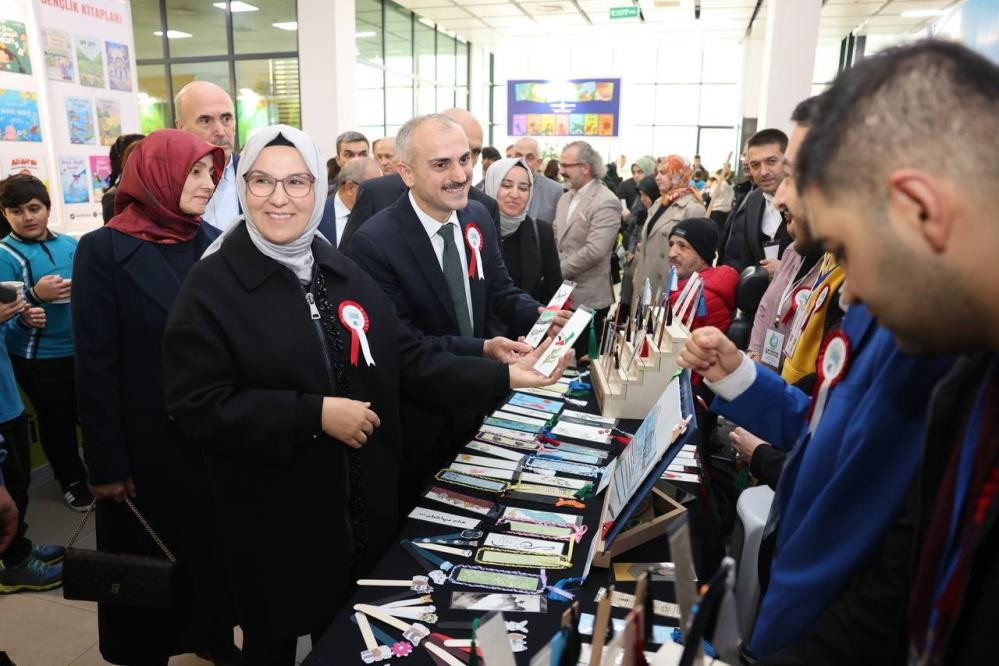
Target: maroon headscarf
[148,199]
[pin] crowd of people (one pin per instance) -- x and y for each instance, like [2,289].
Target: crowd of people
[245,341]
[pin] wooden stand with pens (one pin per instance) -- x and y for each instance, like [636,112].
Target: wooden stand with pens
[636,363]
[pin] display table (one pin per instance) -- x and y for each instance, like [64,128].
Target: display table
[342,643]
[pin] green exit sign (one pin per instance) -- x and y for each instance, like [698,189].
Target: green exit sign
[624,12]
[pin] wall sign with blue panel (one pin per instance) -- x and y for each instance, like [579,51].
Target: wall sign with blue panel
[579,107]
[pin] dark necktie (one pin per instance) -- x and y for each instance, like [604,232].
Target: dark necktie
[454,274]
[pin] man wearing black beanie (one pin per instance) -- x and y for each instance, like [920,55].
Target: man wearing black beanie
[692,246]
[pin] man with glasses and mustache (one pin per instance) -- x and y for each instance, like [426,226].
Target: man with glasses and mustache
[547,192]
[380,193]
[206,110]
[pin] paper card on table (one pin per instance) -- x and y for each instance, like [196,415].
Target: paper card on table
[497,451]
[444,518]
[590,555]
[512,425]
[524,544]
[507,433]
[533,515]
[591,418]
[485,461]
[564,341]
[560,481]
[535,402]
[537,332]
[553,391]
[660,633]
[580,431]
[524,411]
[607,475]
[680,476]
[459,500]
[508,601]
[559,454]
[519,418]
[478,470]
[492,639]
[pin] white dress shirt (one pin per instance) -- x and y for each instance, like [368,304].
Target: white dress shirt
[771,217]
[223,207]
[341,213]
[432,226]
[575,198]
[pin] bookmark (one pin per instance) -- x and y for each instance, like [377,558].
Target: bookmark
[444,518]
[563,532]
[535,402]
[462,538]
[498,579]
[478,470]
[414,633]
[549,392]
[399,648]
[559,454]
[558,481]
[497,451]
[512,425]
[547,500]
[485,461]
[541,489]
[522,544]
[558,300]
[471,481]
[505,558]
[591,418]
[510,408]
[534,515]
[520,418]
[529,443]
[373,652]
[624,600]
[419,584]
[580,469]
[459,500]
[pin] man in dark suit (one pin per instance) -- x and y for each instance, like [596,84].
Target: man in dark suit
[437,257]
[756,233]
[380,193]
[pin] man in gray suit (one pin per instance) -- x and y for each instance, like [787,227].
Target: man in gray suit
[546,192]
[587,219]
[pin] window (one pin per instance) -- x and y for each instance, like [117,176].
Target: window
[249,48]
[406,66]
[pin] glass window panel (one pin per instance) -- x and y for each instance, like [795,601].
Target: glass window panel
[499,104]
[254,32]
[675,140]
[826,62]
[722,62]
[398,39]
[637,64]
[445,60]
[426,51]
[204,23]
[445,98]
[715,145]
[641,106]
[154,99]
[426,99]
[267,93]
[719,104]
[399,104]
[461,98]
[368,33]
[678,62]
[366,76]
[369,107]
[461,73]
[146,21]
[677,105]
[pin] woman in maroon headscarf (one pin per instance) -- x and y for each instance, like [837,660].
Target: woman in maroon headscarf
[125,278]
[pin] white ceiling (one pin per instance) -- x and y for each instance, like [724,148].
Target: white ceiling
[489,22]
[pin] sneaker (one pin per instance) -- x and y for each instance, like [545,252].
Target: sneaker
[47,554]
[32,575]
[77,496]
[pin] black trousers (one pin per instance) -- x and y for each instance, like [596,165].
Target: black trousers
[51,386]
[272,651]
[17,476]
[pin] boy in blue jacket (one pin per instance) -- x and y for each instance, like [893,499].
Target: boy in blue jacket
[42,356]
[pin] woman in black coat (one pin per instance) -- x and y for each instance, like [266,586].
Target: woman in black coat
[286,361]
[528,245]
[125,278]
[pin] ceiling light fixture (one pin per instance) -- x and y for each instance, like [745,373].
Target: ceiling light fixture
[291,26]
[174,34]
[237,6]
[922,13]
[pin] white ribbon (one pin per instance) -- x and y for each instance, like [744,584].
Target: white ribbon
[471,235]
[364,346]
[832,366]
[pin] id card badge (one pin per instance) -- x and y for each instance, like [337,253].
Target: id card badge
[771,251]
[773,344]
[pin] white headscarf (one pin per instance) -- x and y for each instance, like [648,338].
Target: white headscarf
[497,172]
[296,254]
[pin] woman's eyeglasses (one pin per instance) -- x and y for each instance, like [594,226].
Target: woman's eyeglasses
[297,185]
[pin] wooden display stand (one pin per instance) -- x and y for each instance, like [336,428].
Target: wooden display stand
[624,393]
[649,529]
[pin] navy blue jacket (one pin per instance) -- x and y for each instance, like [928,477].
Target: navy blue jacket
[394,249]
[849,481]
